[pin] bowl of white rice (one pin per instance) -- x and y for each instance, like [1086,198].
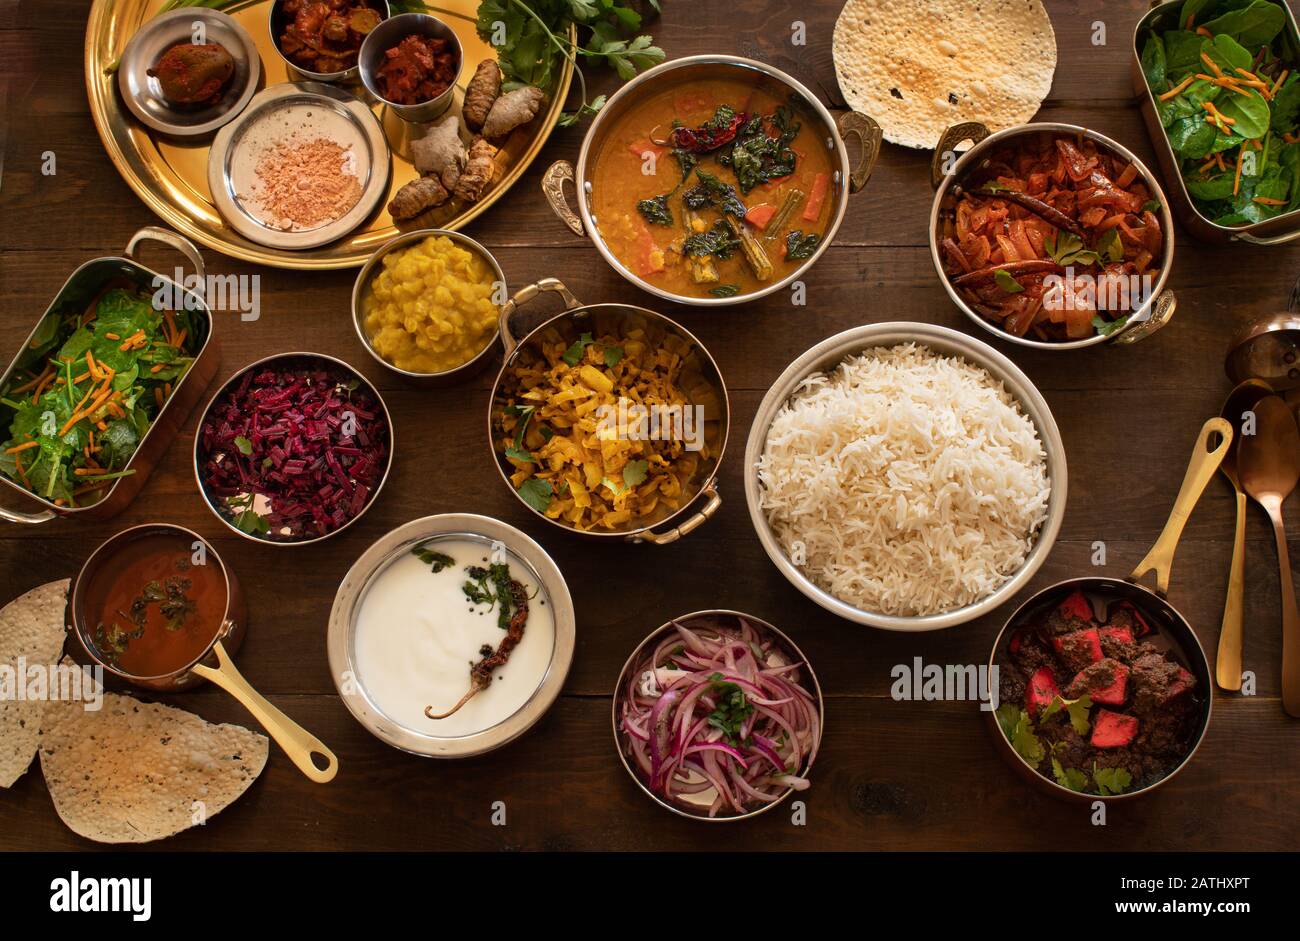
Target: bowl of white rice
[905,476]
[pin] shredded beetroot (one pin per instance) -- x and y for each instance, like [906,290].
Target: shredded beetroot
[274,448]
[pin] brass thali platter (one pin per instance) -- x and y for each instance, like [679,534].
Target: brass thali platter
[171,176]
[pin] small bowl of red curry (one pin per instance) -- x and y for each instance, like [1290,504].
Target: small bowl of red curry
[152,602]
[713,180]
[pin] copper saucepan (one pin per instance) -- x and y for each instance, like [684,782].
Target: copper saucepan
[1154,606]
[214,663]
[578,318]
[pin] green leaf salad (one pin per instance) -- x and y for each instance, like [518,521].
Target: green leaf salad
[88,389]
[1227,91]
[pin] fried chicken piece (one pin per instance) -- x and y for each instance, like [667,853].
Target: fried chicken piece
[511,110]
[481,93]
[478,172]
[416,197]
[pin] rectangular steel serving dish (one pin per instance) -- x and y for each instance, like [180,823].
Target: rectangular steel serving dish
[82,286]
[1275,231]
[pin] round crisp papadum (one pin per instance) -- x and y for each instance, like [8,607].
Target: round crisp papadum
[31,631]
[132,772]
[920,66]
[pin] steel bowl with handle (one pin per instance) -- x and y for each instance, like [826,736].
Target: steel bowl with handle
[828,354]
[946,174]
[80,290]
[1278,230]
[1211,446]
[577,318]
[847,176]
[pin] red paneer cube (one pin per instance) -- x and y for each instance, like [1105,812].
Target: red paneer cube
[1076,606]
[1079,648]
[1113,729]
[1181,683]
[1105,681]
[1122,635]
[1041,691]
[1126,614]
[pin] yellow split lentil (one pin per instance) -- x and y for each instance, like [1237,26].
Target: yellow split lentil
[431,308]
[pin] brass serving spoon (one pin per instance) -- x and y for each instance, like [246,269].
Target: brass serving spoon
[1269,465]
[1227,665]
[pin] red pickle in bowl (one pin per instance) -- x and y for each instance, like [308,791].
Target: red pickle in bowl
[293,453]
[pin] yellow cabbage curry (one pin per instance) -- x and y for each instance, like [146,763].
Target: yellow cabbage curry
[714,189]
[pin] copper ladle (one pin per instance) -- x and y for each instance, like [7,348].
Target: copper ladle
[1227,665]
[1269,465]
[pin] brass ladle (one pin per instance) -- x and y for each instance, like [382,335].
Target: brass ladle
[1269,465]
[1227,665]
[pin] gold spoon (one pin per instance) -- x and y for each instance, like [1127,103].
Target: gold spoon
[1227,665]
[1270,468]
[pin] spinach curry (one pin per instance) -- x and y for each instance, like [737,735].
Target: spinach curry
[714,189]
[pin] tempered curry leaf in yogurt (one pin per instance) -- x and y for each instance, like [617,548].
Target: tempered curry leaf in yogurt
[1224,76]
[698,186]
[87,390]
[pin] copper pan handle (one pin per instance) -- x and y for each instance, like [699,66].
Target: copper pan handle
[522,297]
[553,180]
[299,744]
[972,131]
[688,527]
[870,137]
[1162,311]
[1205,461]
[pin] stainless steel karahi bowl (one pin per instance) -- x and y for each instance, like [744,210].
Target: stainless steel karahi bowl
[278,20]
[828,354]
[142,92]
[578,318]
[370,269]
[347,604]
[1158,308]
[297,358]
[386,36]
[848,177]
[653,638]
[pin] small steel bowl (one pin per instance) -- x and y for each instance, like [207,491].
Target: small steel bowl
[427,379]
[578,318]
[828,354]
[278,21]
[1157,611]
[1157,310]
[387,35]
[347,605]
[298,358]
[620,694]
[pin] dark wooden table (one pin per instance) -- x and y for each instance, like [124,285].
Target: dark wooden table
[892,775]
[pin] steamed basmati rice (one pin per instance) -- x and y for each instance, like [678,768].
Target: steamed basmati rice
[905,482]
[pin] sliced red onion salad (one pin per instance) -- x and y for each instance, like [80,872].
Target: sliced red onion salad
[718,707]
[294,451]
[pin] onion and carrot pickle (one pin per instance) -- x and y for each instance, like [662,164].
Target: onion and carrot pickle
[1052,237]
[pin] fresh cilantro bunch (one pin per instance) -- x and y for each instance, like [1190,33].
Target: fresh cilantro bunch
[532,41]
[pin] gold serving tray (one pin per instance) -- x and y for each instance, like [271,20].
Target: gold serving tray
[171,176]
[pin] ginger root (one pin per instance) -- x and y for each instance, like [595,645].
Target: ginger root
[416,197]
[478,172]
[481,93]
[440,153]
[511,110]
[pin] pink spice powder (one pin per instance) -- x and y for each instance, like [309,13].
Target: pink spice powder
[302,184]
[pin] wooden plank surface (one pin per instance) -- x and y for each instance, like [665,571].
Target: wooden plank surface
[893,775]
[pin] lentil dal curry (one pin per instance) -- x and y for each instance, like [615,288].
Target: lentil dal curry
[714,189]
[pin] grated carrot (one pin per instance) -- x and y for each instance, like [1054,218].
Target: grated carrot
[1177,89]
[22,447]
[1280,79]
[1212,65]
[1268,201]
[1236,180]
[1202,31]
